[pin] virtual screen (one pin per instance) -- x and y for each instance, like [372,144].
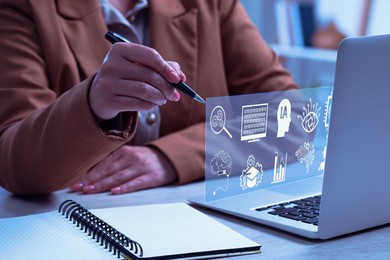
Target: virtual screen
[258,140]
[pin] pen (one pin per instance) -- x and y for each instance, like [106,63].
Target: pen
[183,87]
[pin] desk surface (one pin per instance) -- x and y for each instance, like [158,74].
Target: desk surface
[373,243]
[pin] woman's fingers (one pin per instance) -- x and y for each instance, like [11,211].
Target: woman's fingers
[133,78]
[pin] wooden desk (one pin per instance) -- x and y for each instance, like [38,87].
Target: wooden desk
[372,244]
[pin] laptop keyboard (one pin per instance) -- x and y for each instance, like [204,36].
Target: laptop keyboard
[305,210]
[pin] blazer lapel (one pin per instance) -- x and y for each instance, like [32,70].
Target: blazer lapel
[171,23]
[84,29]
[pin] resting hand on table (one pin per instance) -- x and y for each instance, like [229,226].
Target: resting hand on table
[130,168]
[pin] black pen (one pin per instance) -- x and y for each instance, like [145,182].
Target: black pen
[183,87]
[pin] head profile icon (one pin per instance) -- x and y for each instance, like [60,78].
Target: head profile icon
[284,117]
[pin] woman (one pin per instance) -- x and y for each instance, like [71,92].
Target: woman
[71,102]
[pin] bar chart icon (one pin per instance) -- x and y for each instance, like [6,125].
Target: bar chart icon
[279,168]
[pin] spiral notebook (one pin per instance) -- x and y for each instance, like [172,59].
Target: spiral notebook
[160,231]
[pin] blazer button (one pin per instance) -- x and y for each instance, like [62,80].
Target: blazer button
[151,118]
[132,18]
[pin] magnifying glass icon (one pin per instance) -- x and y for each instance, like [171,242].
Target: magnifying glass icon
[218,121]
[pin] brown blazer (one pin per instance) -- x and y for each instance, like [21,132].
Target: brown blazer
[50,51]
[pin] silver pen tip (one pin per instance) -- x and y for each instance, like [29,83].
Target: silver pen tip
[199,99]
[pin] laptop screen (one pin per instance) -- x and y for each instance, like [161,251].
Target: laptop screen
[254,141]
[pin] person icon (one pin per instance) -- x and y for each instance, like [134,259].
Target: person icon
[284,117]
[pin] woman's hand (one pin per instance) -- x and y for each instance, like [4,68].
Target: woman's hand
[133,78]
[130,168]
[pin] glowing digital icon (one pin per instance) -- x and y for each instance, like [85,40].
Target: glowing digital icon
[218,121]
[322,164]
[310,116]
[305,154]
[221,165]
[283,117]
[280,166]
[328,107]
[252,175]
[254,122]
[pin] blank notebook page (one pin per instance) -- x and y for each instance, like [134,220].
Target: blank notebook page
[161,229]
[169,229]
[46,236]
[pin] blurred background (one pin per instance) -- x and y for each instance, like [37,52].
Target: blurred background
[306,33]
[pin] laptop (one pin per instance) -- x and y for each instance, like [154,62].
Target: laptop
[353,193]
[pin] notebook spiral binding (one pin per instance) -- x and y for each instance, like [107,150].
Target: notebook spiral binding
[99,230]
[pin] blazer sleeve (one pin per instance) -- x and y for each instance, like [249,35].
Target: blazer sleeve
[250,66]
[48,138]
